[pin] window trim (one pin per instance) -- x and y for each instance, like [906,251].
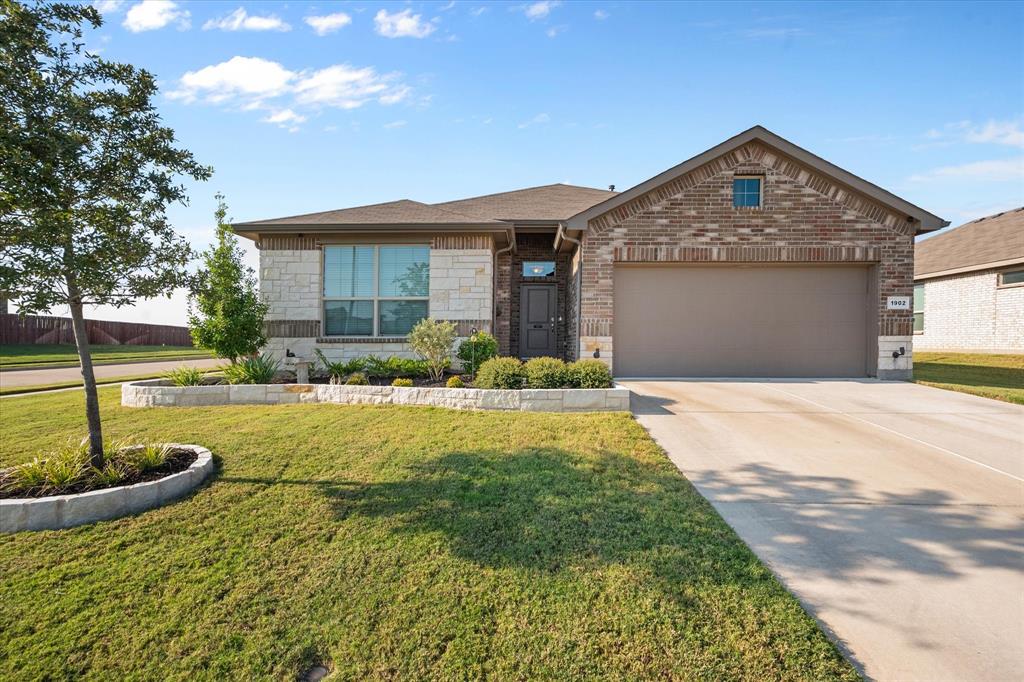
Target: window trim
[760,191]
[914,311]
[1011,285]
[376,298]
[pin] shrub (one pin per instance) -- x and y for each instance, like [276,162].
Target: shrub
[111,474]
[432,341]
[61,469]
[476,350]
[185,376]
[146,457]
[357,379]
[395,366]
[455,382]
[337,371]
[589,374]
[405,383]
[256,370]
[545,373]
[501,373]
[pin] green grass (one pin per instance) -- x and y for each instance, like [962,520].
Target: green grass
[396,543]
[52,355]
[990,376]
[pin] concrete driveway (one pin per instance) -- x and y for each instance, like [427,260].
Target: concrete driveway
[895,512]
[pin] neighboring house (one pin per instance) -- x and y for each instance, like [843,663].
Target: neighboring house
[969,286]
[755,258]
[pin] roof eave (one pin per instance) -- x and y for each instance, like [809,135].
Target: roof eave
[927,222]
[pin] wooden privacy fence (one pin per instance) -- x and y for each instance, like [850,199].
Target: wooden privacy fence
[15,329]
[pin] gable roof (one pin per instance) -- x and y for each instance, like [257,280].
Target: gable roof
[547,202]
[926,221]
[401,212]
[978,245]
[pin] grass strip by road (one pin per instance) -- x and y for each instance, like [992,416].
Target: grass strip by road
[393,542]
[15,390]
[1000,377]
[25,356]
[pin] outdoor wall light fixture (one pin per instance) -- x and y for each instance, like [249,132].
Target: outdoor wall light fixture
[597,352]
[897,353]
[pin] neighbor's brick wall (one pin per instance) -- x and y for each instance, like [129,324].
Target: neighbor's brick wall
[971,312]
[805,218]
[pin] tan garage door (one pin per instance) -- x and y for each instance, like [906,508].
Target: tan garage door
[741,321]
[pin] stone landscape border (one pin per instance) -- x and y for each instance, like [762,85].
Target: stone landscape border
[159,393]
[66,511]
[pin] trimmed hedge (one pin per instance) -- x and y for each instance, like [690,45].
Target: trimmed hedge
[589,374]
[506,373]
[546,372]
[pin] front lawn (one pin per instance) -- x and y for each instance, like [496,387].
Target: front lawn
[396,543]
[53,355]
[990,376]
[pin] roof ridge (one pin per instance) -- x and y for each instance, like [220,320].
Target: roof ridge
[522,189]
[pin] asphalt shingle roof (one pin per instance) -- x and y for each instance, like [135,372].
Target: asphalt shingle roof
[996,238]
[401,212]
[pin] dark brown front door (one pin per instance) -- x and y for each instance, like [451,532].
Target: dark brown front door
[537,320]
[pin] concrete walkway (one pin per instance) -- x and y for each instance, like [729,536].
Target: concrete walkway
[39,377]
[895,512]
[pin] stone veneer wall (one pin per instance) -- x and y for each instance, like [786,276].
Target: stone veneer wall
[158,394]
[461,285]
[805,218]
[971,311]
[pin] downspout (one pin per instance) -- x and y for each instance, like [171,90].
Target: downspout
[559,236]
[494,280]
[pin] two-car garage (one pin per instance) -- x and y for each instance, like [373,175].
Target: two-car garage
[742,320]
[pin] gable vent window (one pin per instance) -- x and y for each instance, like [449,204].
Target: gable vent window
[746,192]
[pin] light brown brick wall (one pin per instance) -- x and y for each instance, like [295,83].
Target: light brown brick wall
[805,218]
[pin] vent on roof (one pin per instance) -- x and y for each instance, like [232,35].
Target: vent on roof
[611,188]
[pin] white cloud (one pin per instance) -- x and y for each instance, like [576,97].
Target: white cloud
[449,6]
[150,15]
[285,116]
[536,120]
[540,10]
[998,132]
[347,87]
[240,20]
[600,14]
[245,80]
[477,11]
[554,31]
[988,171]
[107,6]
[396,124]
[328,23]
[402,24]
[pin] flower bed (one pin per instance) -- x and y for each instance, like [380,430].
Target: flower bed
[64,511]
[160,393]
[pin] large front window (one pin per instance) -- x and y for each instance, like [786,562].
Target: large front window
[375,290]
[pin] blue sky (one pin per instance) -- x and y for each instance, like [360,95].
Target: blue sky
[303,107]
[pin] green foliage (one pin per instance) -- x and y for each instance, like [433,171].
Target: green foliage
[404,383]
[255,370]
[146,457]
[455,382]
[476,350]
[113,473]
[432,341]
[357,379]
[395,366]
[546,373]
[87,173]
[501,373]
[589,373]
[185,376]
[225,310]
[338,370]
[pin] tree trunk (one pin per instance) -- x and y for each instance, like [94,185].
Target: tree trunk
[92,402]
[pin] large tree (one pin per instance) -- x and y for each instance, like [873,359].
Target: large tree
[87,173]
[225,310]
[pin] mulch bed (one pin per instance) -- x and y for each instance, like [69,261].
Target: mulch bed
[178,460]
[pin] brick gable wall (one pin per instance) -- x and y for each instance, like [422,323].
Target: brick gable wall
[805,218]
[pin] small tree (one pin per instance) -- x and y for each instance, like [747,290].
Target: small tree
[432,341]
[225,310]
[87,173]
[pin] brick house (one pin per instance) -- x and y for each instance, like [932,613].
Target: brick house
[969,286]
[754,258]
